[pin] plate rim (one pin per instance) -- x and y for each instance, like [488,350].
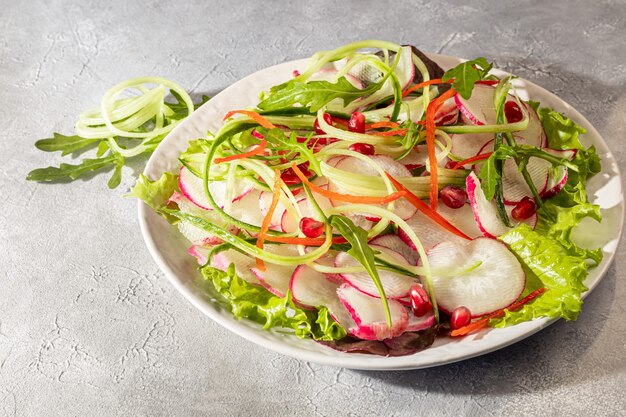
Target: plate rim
[340,359]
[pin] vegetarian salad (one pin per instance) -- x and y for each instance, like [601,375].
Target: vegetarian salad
[375,201]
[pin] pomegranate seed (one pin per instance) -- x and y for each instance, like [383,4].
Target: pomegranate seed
[420,302]
[257,135]
[512,112]
[453,197]
[460,317]
[311,227]
[316,125]
[524,209]
[289,177]
[357,122]
[364,148]
[295,73]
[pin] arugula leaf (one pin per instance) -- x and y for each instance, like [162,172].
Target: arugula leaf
[360,250]
[72,172]
[313,94]
[551,265]
[155,193]
[562,132]
[466,74]
[116,178]
[65,144]
[259,305]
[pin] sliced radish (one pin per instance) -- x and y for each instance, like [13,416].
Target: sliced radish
[483,276]
[200,253]
[416,324]
[350,165]
[486,213]
[479,108]
[290,224]
[514,185]
[396,244]
[534,134]
[448,113]
[312,289]
[194,234]
[193,188]
[419,157]
[461,218]
[265,200]
[369,315]
[428,232]
[395,285]
[465,146]
[243,263]
[276,277]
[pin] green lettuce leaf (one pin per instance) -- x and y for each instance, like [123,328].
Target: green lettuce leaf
[562,132]
[260,306]
[549,265]
[155,193]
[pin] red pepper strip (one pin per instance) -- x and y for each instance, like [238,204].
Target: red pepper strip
[479,324]
[303,240]
[488,82]
[476,158]
[423,207]
[358,199]
[254,116]
[260,148]
[377,125]
[424,84]
[430,142]
[268,218]
[398,132]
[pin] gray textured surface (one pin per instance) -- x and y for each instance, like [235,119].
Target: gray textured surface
[88,324]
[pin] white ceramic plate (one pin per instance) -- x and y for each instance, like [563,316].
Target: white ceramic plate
[169,249]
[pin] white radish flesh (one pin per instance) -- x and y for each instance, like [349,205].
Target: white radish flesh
[465,146]
[312,289]
[369,315]
[394,284]
[242,263]
[276,277]
[394,243]
[482,275]
[193,188]
[415,324]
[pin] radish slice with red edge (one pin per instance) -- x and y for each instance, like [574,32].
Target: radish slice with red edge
[369,315]
[395,285]
[276,278]
[394,243]
[415,324]
[465,146]
[448,113]
[193,188]
[484,276]
[243,263]
[486,213]
[311,289]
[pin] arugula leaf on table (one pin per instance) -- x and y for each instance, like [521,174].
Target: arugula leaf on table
[65,144]
[313,94]
[466,74]
[360,250]
[72,172]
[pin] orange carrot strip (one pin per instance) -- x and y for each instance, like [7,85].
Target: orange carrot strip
[258,150]
[430,142]
[424,84]
[303,240]
[253,115]
[398,132]
[476,158]
[358,199]
[268,218]
[479,324]
[377,125]
[423,207]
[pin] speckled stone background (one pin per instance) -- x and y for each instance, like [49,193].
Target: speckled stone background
[90,326]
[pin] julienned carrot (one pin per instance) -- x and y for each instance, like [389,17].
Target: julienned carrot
[398,132]
[358,199]
[423,207]
[430,142]
[378,125]
[476,158]
[424,84]
[258,150]
[268,218]
[254,116]
[479,324]
[307,241]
